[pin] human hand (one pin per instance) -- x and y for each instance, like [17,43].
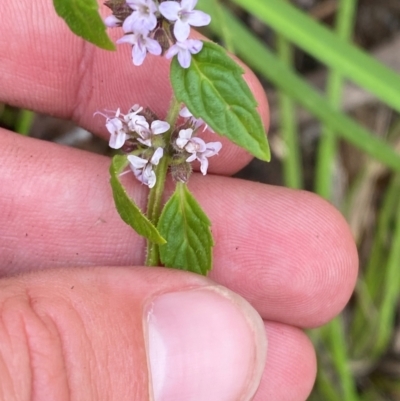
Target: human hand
[78,333]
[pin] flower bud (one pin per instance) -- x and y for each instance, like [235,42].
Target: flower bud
[149,115]
[181,172]
[162,38]
[119,8]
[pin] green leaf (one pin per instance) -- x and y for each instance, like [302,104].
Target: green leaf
[129,212]
[187,230]
[213,88]
[83,19]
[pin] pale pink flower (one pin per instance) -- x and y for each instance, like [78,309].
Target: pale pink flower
[117,130]
[141,45]
[143,18]
[184,16]
[157,127]
[184,50]
[135,121]
[198,148]
[143,168]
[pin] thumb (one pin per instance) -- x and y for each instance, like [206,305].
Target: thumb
[126,334]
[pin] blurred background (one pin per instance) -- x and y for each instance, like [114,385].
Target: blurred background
[330,69]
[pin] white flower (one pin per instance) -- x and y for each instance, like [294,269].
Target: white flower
[135,121]
[198,148]
[184,17]
[184,137]
[141,45]
[184,50]
[143,168]
[117,131]
[143,18]
[157,127]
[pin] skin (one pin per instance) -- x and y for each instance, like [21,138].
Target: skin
[289,253]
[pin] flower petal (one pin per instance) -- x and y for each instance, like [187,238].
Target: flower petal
[172,51]
[113,125]
[184,58]
[137,162]
[117,140]
[136,123]
[149,176]
[131,39]
[170,10]
[212,149]
[138,54]
[198,18]
[158,154]
[181,30]
[153,46]
[159,127]
[197,145]
[185,133]
[204,165]
[194,45]
[127,25]
[112,21]
[185,113]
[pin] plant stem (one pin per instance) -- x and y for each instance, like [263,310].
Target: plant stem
[156,193]
[24,122]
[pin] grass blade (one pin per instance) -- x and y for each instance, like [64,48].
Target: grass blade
[327,148]
[292,166]
[324,45]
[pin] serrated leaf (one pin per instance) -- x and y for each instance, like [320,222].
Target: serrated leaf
[187,230]
[129,212]
[213,88]
[83,19]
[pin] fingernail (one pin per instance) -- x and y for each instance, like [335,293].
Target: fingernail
[205,344]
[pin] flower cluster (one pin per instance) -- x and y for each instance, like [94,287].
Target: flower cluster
[146,139]
[155,27]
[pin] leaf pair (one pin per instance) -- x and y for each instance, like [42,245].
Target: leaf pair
[183,230]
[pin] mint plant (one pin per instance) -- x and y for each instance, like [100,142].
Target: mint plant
[209,93]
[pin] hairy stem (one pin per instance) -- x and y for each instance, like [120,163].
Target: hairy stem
[155,195]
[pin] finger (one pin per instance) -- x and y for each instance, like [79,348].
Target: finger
[291,365]
[288,252]
[114,333]
[67,77]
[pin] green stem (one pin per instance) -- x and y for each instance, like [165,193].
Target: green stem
[156,193]
[24,122]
